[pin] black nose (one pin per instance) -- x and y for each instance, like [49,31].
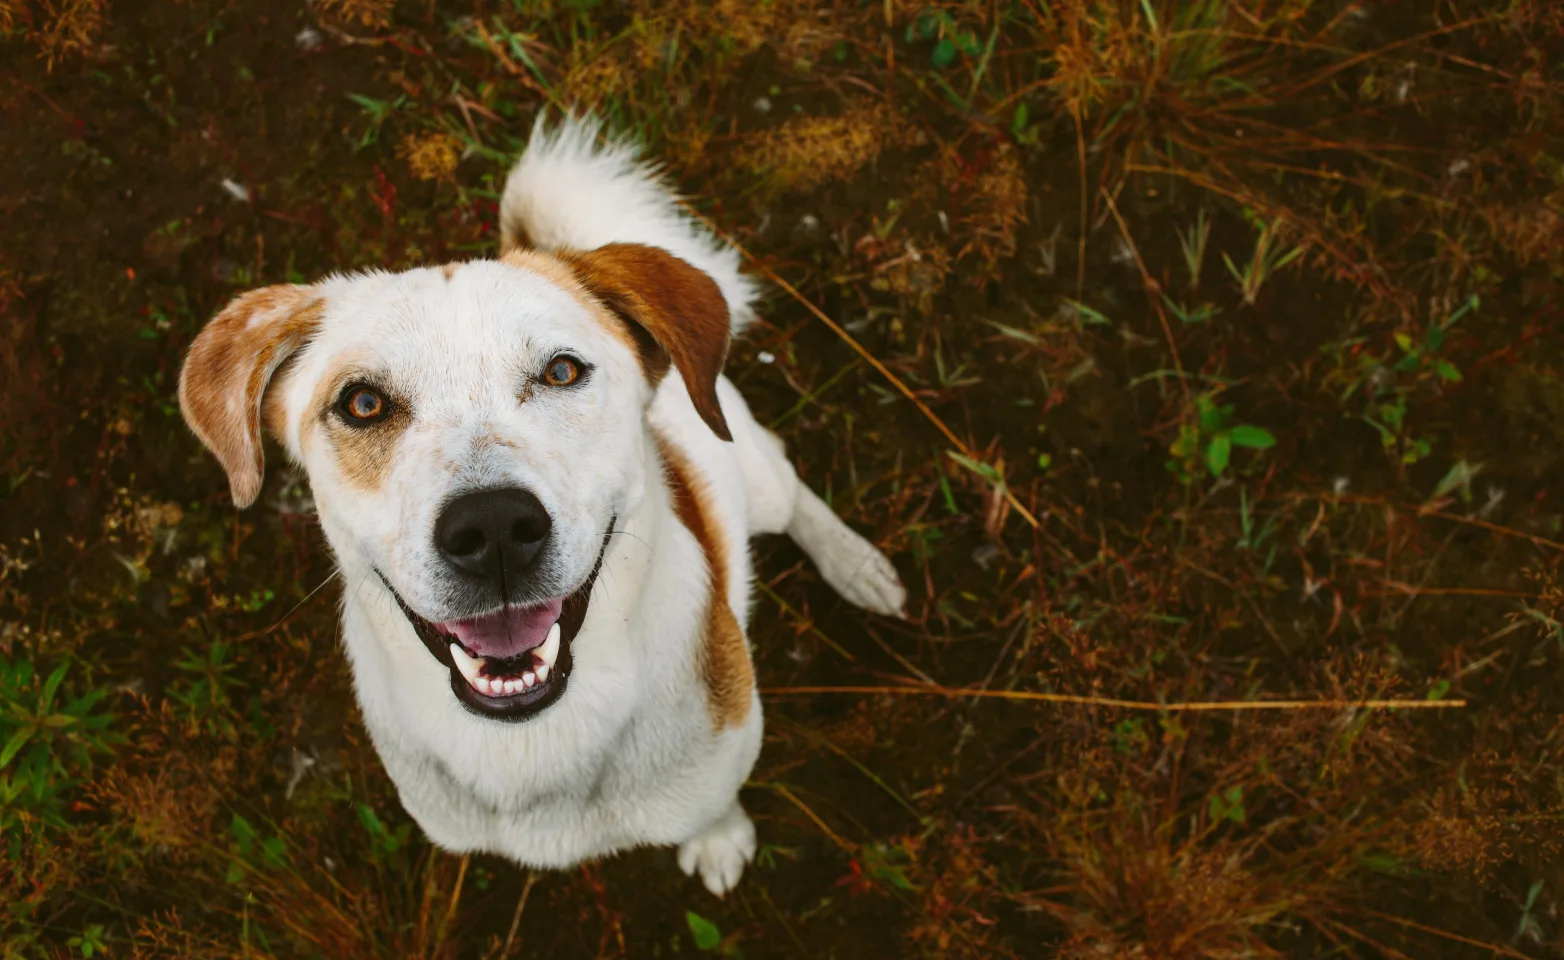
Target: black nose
[492,533]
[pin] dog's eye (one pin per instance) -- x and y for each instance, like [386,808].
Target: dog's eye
[562,372]
[364,404]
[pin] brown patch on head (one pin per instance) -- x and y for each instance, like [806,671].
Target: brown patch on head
[724,653]
[364,453]
[450,270]
[674,313]
[559,273]
[223,383]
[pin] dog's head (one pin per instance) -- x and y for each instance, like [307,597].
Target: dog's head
[471,433]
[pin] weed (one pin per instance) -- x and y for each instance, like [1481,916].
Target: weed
[48,738]
[1207,437]
[1268,258]
[432,156]
[1193,245]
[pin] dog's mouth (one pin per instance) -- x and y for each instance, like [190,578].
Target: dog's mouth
[513,663]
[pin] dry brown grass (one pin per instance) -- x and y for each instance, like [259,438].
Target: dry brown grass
[59,29]
[807,152]
[365,13]
[430,156]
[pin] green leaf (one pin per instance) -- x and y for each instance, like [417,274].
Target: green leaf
[1018,124]
[1151,15]
[14,745]
[274,853]
[944,53]
[52,684]
[1458,477]
[984,470]
[1255,438]
[706,934]
[1219,452]
[1087,314]
[1447,371]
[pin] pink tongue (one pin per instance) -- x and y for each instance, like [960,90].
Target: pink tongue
[506,633]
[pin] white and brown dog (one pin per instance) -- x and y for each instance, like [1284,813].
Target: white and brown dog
[532,520]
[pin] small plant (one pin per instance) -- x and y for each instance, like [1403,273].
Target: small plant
[1191,316]
[47,740]
[384,842]
[1206,440]
[252,852]
[379,112]
[90,942]
[708,938]
[205,690]
[1268,258]
[1193,245]
[1389,385]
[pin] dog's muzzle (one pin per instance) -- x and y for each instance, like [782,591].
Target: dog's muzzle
[514,663]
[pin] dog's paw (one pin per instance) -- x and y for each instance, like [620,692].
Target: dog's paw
[721,852]
[864,576]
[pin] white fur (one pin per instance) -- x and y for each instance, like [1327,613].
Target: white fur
[628,755]
[570,192]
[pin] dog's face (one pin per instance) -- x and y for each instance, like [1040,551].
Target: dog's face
[471,433]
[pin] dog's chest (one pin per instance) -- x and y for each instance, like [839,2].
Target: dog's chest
[651,784]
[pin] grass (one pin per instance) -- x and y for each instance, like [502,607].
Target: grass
[1199,364]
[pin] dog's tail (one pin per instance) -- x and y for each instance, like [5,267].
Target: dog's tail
[571,192]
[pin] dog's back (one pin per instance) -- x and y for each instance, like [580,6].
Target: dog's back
[577,189]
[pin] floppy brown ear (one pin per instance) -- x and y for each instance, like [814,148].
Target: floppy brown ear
[675,313]
[226,372]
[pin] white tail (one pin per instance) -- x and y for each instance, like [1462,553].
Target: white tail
[569,192]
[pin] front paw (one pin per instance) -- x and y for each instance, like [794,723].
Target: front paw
[721,851]
[864,576]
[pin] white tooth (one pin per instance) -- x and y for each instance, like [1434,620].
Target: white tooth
[542,672]
[512,686]
[550,649]
[469,666]
[529,678]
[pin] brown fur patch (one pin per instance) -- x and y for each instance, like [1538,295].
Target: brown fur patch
[364,454]
[674,312]
[559,273]
[224,379]
[450,270]
[724,653]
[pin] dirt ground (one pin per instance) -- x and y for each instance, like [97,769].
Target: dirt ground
[1179,354]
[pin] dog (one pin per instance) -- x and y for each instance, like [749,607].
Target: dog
[539,490]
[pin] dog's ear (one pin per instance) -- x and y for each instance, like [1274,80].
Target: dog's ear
[675,313]
[226,372]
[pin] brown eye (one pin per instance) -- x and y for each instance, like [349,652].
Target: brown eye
[562,372]
[364,404]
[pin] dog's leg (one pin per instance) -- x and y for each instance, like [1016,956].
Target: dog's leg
[780,503]
[721,850]
[853,566]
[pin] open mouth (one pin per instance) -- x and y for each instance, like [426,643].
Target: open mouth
[512,663]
